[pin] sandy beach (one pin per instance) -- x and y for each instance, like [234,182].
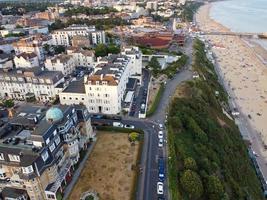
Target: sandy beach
[244,71]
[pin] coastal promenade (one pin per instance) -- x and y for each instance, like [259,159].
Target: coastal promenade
[229,33]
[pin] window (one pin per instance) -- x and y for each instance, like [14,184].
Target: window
[2,156]
[27,170]
[52,147]
[45,156]
[57,140]
[14,158]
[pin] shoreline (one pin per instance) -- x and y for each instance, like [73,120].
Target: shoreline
[243,69]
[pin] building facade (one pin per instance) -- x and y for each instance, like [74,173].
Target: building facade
[103,91]
[39,148]
[21,84]
[65,36]
[26,60]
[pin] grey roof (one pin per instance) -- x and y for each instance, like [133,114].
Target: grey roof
[75,87]
[14,193]
[34,72]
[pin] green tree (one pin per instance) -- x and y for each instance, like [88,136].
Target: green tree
[154,65]
[192,184]
[9,103]
[190,163]
[215,188]
[101,50]
[134,136]
[59,49]
[113,49]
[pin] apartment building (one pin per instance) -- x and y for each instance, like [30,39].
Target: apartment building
[29,45]
[64,36]
[39,148]
[30,83]
[104,90]
[62,62]
[85,58]
[98,37]
[26,60]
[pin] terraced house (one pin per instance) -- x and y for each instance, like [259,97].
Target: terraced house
[39,148]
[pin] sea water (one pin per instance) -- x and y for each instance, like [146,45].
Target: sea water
[242,16]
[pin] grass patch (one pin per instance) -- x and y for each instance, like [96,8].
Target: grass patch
[156,101]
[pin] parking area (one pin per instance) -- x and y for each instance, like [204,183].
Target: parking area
[139,102]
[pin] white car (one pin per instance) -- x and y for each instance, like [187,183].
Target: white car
[160,135]
[160,142]
[160,126]
[160,188]
[129,126]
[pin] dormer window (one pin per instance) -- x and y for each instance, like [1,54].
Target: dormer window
[14,158]
[45,156]
[2,156]
[27,170]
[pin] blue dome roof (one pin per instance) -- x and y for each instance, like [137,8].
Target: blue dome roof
[54,114]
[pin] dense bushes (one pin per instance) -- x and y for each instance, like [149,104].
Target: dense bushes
[208,158]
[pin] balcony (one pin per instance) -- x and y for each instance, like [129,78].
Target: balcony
[53,187]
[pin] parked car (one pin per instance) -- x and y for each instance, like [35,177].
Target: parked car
[160,144]
[129,126]
[117,124]
[160,188]
[160,135]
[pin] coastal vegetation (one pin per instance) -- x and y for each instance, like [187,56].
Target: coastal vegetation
[170,70]
[208,159]
[156,101]
[188,10]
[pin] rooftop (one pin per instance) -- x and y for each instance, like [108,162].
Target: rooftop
[75,87]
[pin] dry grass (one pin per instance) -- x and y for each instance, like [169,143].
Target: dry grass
[182,91]
[108,170]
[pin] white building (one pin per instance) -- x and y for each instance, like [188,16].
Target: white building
[103,91]
[26,60]
[21,84]
[85,58]
[98,37]
[64,63]
[29,45]
[64,36]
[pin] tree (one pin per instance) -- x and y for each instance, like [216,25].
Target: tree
[192,184]
[59,49]
[154,65]
[8,103]
[215,188]
[190,163]
[113,49]
[101,50]
[133,136]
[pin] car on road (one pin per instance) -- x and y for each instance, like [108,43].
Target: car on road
[160,144]
[117,124]
[161,126]
[129,126]
[160,188]
[160,135]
